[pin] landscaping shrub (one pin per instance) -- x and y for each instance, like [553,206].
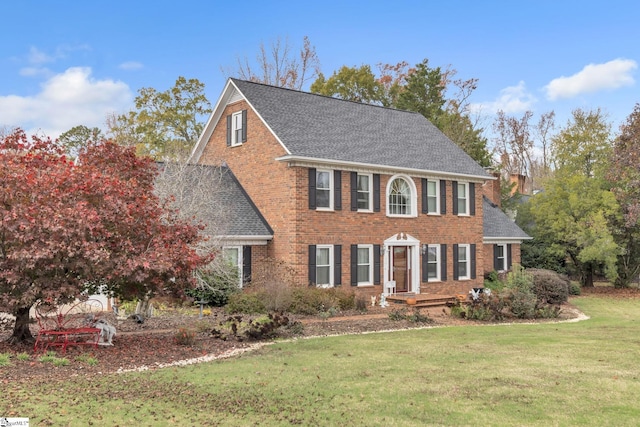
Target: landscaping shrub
[310,300]
[276,280]
[492,281]
[185,336]
[574,288]
[522,304]
[549,286]
[214,287]
[248,302]
[519,278]
[486,307]
[263,327]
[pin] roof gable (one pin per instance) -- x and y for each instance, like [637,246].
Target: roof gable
[319,127]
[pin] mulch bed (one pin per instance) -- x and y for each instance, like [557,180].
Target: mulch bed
[152,344]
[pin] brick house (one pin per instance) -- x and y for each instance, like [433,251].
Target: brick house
[351,194]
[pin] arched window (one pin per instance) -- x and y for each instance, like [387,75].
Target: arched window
[401,196]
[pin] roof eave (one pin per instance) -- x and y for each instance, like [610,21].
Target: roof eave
[303,161]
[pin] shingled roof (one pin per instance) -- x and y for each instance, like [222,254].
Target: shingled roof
[497,225]
[319,127]
[228,210]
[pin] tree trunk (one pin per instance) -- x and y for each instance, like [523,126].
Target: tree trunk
[21,332]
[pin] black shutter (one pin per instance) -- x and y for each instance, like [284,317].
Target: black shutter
[376,192]
[354,191]
[443,196]
[455,262]
[337,265]
[472,249]
[425,263]
[454,194]
[443,263]
[312,265]
[376,264]
[312,188]
[354,265]
[496,267]
[229,130]
[337,190]
[472,198]
[508,255]
[246,264]
[244,125]
[425,204]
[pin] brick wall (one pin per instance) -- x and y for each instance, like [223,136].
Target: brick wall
[281,194]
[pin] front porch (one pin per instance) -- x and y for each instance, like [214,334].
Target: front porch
[423,300]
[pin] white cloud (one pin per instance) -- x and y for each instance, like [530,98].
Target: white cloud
[512,99]
[66,100]
[130,65]
[592,78]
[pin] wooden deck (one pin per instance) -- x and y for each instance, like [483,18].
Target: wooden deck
[422,300]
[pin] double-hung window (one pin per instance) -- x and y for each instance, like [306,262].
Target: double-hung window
[365,264]
[462,201]
[501,257]
[464,262]
[324,267]
[364,192]
[237,133]
[433,263]
[233,257]
[433,197]
[323,189]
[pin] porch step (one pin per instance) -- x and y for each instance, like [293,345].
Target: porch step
[423,300]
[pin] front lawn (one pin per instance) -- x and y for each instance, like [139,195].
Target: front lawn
[583,373]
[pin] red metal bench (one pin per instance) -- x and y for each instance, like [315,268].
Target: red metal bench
[67,325]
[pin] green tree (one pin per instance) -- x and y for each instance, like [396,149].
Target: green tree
[78,137]
[583,146]
[624,177]
[423,92]
[165,124]
[352,84]
[573,215]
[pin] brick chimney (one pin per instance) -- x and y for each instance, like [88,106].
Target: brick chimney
[491,187]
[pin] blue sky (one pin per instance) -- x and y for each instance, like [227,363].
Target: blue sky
[68,63]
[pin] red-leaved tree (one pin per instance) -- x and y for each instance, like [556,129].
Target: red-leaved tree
[67,227]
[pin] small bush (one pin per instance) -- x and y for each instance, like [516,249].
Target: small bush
[185,336]
[415,316]
[23,356]
[310,300]
[276,280]
[521,304]
[361,304]
[246,302]
[263,327]
[548,312]
[60,361]
[519,279]
[574,288]
[549,286]
[214,287]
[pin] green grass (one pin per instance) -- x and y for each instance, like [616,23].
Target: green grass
[567,374]
[5,359]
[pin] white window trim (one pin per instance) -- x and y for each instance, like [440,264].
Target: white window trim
[505,253]
[413,197]
[331,190]
[240,262]
[466,197]
[331,266]
[467,249]
[370,248]
[437,196]
[234,137]
[438,263]
[370,192]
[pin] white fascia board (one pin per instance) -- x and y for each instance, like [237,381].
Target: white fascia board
[374,168]
[503,240]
